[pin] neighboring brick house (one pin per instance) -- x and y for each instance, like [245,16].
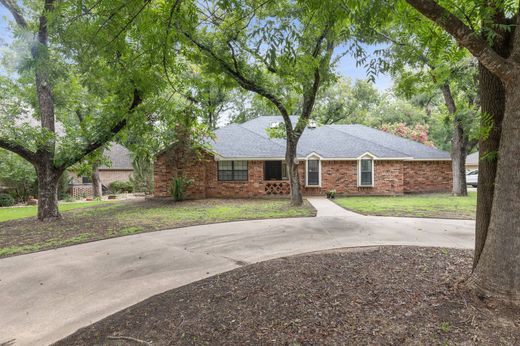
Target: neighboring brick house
[120,169]
[352,159]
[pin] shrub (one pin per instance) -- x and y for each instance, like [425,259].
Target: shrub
[6,200]
[17,175]
[331,194]
[121,187]
[178,187]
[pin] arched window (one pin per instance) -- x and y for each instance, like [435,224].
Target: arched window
[313,171]
[366,171]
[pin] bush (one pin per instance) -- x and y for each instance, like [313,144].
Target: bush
[17,175]
[121,187]
[178,187]
[6,200]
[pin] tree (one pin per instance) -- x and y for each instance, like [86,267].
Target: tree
[246,106]
[493,39]
[342,103]
[281,51]
[430,59]
[84,58]
[213,95]
[418,119]
[418,133]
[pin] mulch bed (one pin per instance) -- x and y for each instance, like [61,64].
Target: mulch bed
[388,295]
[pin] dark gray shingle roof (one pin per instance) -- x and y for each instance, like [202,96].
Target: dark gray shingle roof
[119,156]
[250,140]
[472,159]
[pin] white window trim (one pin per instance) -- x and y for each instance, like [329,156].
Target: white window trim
[307,171]
[359,171]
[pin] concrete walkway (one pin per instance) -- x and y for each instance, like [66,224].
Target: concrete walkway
[47,295]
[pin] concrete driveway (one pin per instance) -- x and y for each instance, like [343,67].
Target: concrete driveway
[47,295]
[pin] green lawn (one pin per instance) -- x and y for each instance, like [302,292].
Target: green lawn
[14,213]
[120,218]
[427,205]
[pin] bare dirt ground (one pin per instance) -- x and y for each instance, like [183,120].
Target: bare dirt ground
[366,296]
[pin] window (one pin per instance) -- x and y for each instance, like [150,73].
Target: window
[232,170]
[366,172]
[313,172]
[86,180]
[275,170]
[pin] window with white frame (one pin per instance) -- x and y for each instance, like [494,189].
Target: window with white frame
[313,172]
[232,170]
[366,172]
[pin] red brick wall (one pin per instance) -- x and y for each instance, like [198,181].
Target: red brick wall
[390,177]
[427,176]
[170,164]
[342,176]
[254,186]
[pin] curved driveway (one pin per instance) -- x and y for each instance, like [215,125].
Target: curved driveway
[47,295]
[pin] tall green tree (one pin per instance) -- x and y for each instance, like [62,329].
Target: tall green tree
[282,51]
[343,102]
[94,58]
[431,59]
[488,30]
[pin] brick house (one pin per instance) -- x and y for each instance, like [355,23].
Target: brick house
[120,169]
[352,159]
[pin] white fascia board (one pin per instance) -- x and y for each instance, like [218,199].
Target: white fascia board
[220,158]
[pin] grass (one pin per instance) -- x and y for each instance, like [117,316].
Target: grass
[13,213]
[429,205]
[121,218]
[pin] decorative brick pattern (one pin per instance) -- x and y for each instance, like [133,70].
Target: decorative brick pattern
[390,178]
[81,191]
[277,188]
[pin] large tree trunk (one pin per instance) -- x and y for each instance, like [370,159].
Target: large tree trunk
[96,182]
[492,99]
[292,171]
[47,192]
[458,146]
[498,270]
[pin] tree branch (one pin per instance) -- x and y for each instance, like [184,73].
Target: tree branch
[309,97]
[123,29]
[114,130]
[18,149]
[501,67]
[15,12]
[242,80]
